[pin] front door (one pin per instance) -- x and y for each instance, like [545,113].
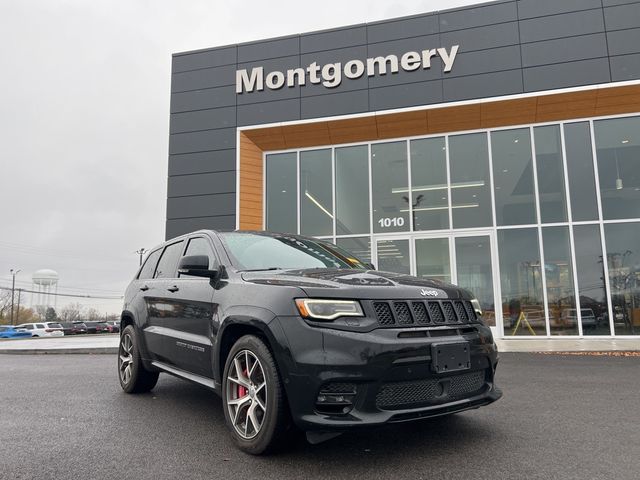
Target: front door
[464,259]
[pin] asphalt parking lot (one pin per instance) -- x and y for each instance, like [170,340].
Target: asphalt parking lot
[562,417]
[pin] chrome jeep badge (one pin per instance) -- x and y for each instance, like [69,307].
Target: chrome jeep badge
[428,293]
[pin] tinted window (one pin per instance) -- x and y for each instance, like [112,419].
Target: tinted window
[54,325]
[316,201]
[150,265]
[582,185]
[281,193]
[352,190]
[169,261]
[4,329]
[389,177]
[550,174]
[39,325]
[429,191]
[199,246]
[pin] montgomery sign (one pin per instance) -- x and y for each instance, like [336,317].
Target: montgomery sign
[331,74]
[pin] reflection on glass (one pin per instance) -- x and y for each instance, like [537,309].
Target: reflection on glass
[432,258]
[590,279]
[429,191]
[352,190]
[393,256]
[582,184]
[618,152]
[359,246]
[513,177]
[521,282]
[473,265]
[550,174]
[316,203]
[282,207]
[470,194]
[623,260]
[389,176]
[563,317]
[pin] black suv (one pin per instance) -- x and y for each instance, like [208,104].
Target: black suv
[293,331]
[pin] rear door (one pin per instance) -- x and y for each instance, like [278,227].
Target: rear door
[192,307]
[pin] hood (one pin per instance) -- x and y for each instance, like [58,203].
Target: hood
[350,283]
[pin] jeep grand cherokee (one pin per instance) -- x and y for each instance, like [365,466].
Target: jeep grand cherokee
[296,331]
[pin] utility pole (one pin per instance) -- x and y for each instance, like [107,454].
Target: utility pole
[13,288]
[141,252]
[18,309]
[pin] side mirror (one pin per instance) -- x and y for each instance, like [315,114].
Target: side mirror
[370,266]
[196,266]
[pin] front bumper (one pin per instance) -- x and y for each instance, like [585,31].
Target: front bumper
[388,370]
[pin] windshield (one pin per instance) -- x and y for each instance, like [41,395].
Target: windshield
[254,251]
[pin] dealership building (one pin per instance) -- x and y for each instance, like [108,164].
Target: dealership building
[495,146]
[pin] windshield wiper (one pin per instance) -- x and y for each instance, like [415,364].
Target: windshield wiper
[261,269]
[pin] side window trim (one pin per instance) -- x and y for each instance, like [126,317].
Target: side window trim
[166,247]
[212,248]
[153,252]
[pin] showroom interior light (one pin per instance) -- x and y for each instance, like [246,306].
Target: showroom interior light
[442,186]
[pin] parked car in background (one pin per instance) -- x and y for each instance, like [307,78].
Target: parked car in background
[74,328]
[97,327]
[114,327]
[9,331]
[43,329]
[569,318]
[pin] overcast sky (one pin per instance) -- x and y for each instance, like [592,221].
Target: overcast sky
[84,121]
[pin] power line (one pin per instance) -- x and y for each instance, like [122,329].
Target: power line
[69,294]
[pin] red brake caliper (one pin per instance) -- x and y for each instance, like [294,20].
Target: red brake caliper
[242,391]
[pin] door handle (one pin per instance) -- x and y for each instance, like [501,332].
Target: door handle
[144,288]
[173,289]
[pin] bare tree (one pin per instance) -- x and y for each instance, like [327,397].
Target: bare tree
[5,305]
[93,315]
[71,312]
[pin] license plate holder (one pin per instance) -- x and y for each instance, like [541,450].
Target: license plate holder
[450,357]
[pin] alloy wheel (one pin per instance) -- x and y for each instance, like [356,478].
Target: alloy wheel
[125,358]
[246,394]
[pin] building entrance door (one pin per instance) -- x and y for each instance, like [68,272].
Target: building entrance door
[466,259]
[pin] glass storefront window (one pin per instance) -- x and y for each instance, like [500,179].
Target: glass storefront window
[513,177]
[470,193]
[553,205]
[316,199]
[432,259]
[582,184]
[393,256]
[623,260]
[521,282]
[618,154]
[429,189]
[352,190]
[390,178]
[282,207]
[359,246]
[473,267]
[590,279]
[558,272]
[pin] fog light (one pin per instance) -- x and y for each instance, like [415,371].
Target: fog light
[336,398]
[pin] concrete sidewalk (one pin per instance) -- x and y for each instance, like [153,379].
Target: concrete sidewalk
[109,344]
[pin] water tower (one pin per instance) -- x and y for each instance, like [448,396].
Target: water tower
[45,284]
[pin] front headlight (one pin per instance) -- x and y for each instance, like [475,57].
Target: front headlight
[476,306]
[316,309]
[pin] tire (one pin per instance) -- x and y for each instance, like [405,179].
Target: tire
[134,378]
[266,403]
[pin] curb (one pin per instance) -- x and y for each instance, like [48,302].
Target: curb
[57,351]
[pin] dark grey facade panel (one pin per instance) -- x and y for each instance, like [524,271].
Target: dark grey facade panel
[201,206]
[205,78]
[181,226]
[210,119]
[204,141]
[563,75]
[625,67]
[564,50]
[482,38]
[415,26]
[263,50]
[204,59]
[476,16]
[406,95]
[203,184]
[281,64]
[609,3]
[269,112]
[333,39]
[341,55]
[480,86]
[622,16]
[202,162]
[541,8]
[622,42]
[203,99]
[485,61]
[560,26]
[336,104]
